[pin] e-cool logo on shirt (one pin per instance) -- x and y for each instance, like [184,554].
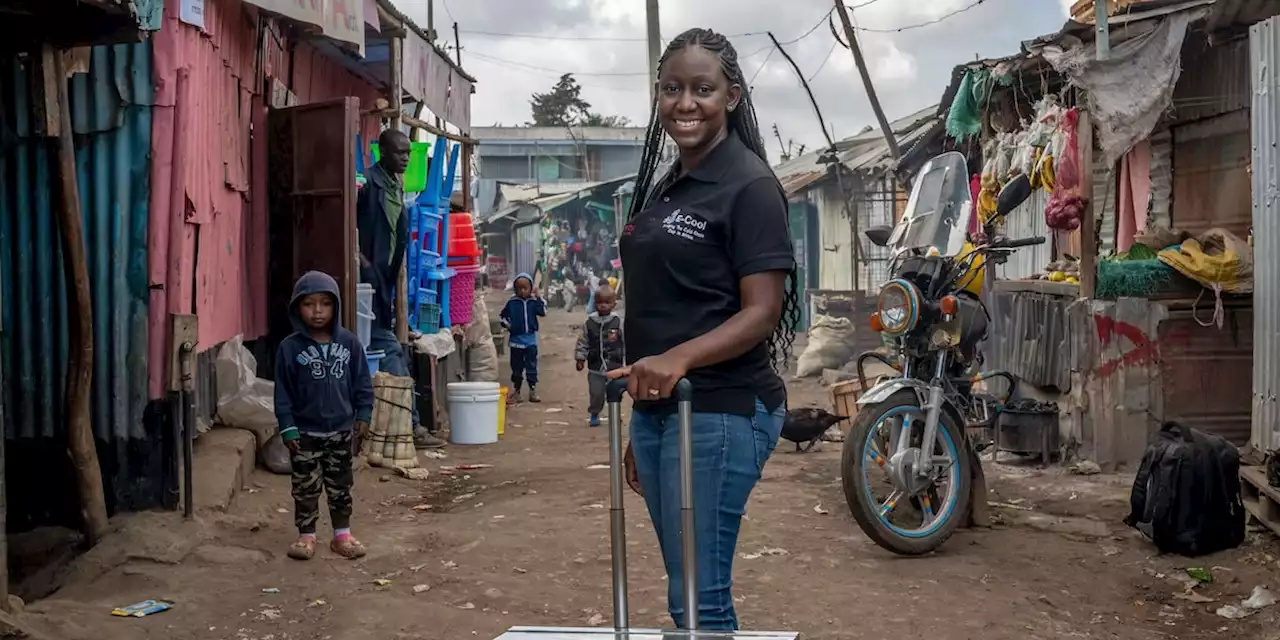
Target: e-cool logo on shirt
[685,225]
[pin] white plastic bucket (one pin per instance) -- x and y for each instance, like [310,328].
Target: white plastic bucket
[473,412]
[364,313]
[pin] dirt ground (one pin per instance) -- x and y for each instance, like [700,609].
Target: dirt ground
[525,542]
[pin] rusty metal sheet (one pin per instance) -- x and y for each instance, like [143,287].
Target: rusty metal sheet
[1030,337]
[1207,372]
[1215,79]
[1211,183]
[1121,397]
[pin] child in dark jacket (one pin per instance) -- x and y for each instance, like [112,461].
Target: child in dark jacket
[323,394]
[520,317]
[600,348]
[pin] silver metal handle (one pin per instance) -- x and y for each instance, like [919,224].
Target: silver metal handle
[617,512]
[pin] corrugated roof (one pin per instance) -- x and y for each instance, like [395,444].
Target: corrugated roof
[866,151]
[575,134]
[1136,20]
[546,197]
[1241,12]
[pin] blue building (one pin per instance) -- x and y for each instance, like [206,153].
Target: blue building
[550,160]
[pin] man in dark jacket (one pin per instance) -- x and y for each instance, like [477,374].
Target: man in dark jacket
[383,224]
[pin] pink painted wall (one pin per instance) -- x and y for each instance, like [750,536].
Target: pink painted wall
[207,232]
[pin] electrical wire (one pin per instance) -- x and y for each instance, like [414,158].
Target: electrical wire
[540,36]
[824,60]
[448,12]
[644,88]
[937,20]
[597,74]
[752,81]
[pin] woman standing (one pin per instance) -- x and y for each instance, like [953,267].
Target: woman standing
[709,258]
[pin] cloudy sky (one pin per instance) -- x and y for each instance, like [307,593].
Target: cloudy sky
[517,47]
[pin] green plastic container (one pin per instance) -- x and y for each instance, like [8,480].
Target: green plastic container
[415,177]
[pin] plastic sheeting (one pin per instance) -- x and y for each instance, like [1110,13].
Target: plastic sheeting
[1131,89]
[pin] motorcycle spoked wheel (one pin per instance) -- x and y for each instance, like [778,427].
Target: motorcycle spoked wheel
[858,472]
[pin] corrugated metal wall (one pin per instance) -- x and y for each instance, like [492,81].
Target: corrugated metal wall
[1214,80]
[1161,177]
[1206,371]
[1031,337]
[1024,222]
[111,113]
[1104,206]
[1264,54]
[528,246]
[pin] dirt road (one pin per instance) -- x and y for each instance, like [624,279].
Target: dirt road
[526,542]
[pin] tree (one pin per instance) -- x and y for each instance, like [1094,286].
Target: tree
[600,120]
[562,106]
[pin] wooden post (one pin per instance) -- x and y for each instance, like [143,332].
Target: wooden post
[467,150]
[80,441]
[1088,225]
[396,84]
[866,81]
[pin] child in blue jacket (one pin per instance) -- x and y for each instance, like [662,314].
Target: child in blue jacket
[520,317]
[323,395]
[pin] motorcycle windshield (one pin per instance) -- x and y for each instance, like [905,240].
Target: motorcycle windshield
[937,212]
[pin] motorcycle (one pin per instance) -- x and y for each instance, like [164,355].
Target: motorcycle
[911,430]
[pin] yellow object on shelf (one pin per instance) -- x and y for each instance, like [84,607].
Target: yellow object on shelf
[502,410]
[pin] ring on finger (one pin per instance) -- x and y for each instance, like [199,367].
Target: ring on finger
[654,393]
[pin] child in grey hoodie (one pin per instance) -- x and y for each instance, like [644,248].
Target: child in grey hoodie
[600,348]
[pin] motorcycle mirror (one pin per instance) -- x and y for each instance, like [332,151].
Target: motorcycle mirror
[879,235]
[1014,193]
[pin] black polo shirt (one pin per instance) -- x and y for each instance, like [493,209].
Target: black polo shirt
[684,256]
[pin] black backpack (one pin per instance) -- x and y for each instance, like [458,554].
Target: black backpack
[1186,497]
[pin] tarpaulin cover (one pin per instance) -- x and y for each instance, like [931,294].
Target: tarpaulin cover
[1127,92]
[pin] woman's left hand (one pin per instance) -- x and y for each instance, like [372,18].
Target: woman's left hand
[652,378]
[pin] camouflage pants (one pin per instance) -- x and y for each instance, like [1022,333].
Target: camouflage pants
[323,464]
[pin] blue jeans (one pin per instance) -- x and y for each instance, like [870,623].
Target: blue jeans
[393,361]
[729,453]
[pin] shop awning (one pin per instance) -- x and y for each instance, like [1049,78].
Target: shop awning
[341,20]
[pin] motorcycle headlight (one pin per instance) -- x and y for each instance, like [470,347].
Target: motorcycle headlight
[898,306]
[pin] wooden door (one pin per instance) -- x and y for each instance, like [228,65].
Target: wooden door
[312,195]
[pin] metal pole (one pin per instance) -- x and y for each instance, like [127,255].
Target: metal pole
[655,45]
[457,45]
[688,537]
[1104,29]
[617,519]
[431,20]
[866,80]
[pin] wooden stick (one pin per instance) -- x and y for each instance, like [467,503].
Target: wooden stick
[80,442]
[866,81]
[1088,226]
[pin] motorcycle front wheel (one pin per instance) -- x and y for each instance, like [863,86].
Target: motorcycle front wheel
[917,519]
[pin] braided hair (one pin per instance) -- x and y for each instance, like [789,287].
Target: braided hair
[741,122]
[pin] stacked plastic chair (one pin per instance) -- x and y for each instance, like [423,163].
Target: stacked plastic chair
[464,258]
[428,274]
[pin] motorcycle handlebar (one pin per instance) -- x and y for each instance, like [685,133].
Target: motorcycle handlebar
[1021,242]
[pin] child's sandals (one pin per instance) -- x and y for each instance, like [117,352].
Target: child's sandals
[348,547]
[303,549]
